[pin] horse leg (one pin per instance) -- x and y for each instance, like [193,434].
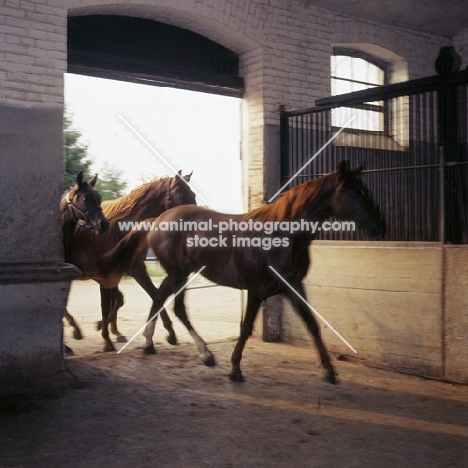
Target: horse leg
[76,329]
[305,313]
[117,301]
[181,313]
[163,293]
[141,276]
[106,309]
[253,304]
[67,351]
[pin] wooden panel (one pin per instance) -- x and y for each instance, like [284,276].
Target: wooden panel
[385,301]
[456,314]
[383,268]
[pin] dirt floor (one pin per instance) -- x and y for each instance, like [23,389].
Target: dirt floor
[168,410]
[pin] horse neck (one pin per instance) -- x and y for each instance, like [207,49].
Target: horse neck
[318,209]
[68,225]
[148,204]
[68,220]
[308,201]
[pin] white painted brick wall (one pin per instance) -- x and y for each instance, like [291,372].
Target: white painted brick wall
[33,52]
[296,44]
[284,47]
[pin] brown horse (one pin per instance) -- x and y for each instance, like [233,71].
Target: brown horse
[85,250]
[81,207]
[247,250]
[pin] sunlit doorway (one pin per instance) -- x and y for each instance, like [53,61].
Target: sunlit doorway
[140,132]
[143,132]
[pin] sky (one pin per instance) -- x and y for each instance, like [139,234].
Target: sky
[133,128]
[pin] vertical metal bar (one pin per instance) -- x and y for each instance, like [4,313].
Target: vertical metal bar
[416,202]
[442,158]
[284,145]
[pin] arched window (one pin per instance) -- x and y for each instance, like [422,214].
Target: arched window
[351,73]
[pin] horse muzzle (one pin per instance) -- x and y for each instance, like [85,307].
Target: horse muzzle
[103,226]
[376,231]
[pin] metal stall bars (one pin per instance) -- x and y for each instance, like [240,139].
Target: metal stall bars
[412,138]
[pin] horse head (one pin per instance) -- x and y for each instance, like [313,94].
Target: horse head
[84,204]
[178,191]
[351,200]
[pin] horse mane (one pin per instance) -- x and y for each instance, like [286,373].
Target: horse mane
[291,204]
[124,205]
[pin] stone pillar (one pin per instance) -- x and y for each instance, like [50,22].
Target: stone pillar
[272,307]
[32,300]
[34,281]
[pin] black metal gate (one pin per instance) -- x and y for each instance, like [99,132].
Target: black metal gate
[412,138]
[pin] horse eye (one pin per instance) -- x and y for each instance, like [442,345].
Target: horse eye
[352,194]
[182,198]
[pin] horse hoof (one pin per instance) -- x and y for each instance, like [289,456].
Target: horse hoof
[99,325]
[237,377]
[209,361]
[149,350]
[67,351]
[77,335]
[172,340]
[121,339]
[109,348]
[330,378]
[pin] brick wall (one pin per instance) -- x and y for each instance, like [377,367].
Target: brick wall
[33,52]
[284,53]
[295,43]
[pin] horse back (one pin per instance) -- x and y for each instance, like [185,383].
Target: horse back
[188,238]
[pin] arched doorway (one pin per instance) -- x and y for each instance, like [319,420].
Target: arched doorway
[150,52]
[145,52]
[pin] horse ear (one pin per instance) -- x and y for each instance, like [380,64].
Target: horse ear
[357,170]
[93,180]
[79,178]
[342,170]
[178,175]
[187,177]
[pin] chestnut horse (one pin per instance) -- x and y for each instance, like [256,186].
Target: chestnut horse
[81,207]
[85,250]
[249,264]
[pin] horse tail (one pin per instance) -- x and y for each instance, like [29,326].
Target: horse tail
[119,260]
